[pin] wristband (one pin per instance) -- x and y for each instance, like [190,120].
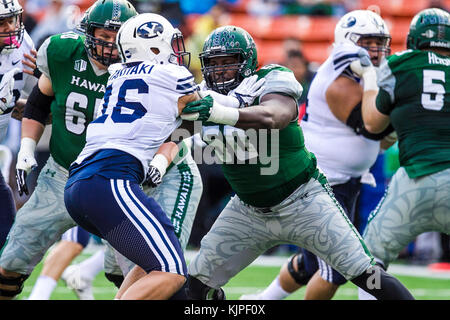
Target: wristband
[160,162]
[27,146]
[370,80]
[223,115]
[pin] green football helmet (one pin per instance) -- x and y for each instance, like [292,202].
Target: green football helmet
[228,41]
[430,28]
[109,15]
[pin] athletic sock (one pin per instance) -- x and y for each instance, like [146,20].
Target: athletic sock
[274,291]
[92,265]
[43,288]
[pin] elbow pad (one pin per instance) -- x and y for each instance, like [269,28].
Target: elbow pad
[38,106]
[356,122]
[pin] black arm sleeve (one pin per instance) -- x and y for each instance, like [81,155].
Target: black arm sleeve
[356,122]
[38,105]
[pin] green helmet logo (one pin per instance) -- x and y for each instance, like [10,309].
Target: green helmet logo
[228,42]
[430,28]
[109,15]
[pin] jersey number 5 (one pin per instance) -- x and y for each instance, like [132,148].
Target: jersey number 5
[433,93]
[117,116]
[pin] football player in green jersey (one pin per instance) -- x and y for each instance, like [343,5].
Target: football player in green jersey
[413,94]
[288,202]
[72,84]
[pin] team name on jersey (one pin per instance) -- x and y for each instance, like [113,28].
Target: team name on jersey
[83,83]
[133,69]
[434,59]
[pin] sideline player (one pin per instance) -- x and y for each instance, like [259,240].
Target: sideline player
[288,202]
[413,94]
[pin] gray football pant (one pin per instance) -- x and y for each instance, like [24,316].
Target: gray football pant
[409,207]
[310,218]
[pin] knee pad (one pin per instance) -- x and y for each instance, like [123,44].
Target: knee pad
[197,290]
[115,278]
[17,283]
[301,276]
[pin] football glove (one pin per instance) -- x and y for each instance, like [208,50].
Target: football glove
[248,90]
[25,163]
[364,68]
[6,90]
[153,177]
[208,111]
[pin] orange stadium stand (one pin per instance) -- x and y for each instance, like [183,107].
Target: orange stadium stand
[317,32]
[398,8]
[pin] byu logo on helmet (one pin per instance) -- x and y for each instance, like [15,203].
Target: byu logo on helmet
[350,22]
[150,30]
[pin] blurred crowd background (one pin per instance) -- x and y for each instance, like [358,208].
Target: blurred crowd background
[295,33]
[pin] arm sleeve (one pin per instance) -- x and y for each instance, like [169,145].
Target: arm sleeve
[38,106]
[383,102]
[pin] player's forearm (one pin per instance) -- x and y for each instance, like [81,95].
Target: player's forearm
[374,121]
[32,129]
[274,112]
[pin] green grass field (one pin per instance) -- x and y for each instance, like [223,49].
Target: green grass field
[253,279]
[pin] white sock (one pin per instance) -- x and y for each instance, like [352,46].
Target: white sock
[92,265]
[363,295]
[274,291]
[43,288]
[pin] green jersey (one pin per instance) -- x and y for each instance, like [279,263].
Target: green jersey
[78,86]
[265,166]
[415,93]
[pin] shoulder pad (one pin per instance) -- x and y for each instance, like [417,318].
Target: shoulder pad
[63,45]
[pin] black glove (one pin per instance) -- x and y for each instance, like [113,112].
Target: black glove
[153,177]
[21,179]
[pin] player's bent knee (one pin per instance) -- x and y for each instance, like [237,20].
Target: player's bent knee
[11,286]
[115,278]
[297,270]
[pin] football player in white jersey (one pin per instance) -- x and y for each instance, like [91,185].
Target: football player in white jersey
[141,107]
[345,150]
[14,84]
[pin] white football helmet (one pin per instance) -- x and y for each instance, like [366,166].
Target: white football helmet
[356,25]
[151,37]
[10,40]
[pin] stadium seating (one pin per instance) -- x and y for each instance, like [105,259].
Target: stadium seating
[317,32]
[398,8]
[272,51]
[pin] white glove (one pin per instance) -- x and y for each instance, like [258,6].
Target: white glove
[6,90]
[248,90]
[364,68]
[25,157]
[25,163]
